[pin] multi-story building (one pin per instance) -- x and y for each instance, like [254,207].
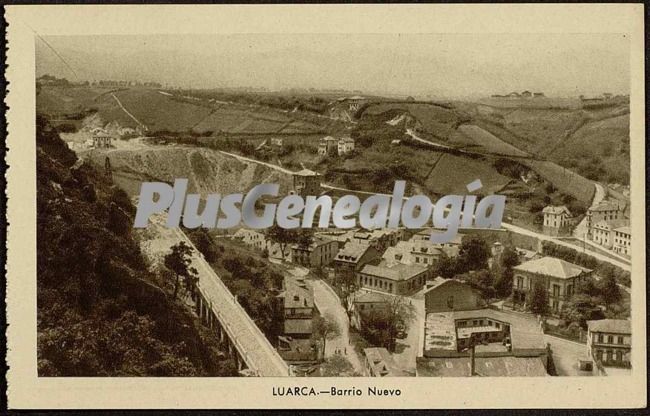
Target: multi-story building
[345,145]
[419,252]
[557,276]
[327,145]
[606,210]
[298,311]
[319,253]
[306,182]
[609,341]
[557,220]
[622,240]
[351,258]
[398,279]
[602,232]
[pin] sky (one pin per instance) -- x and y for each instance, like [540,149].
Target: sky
[445,65]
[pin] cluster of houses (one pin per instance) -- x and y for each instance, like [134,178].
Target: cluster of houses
[606,225]
[329,145]
[461,335]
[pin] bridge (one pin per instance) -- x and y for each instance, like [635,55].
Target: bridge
[219,310]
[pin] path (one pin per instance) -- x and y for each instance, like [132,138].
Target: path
[127,112]
[623,264]
[329,304]
[581,229]
[566,355]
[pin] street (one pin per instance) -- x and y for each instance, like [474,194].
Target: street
[328,304]
[566,355]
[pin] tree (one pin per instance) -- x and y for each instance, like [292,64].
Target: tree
[281,236]
[473,253]
[203,243]
[582,308]
[324,328]
[446,267]
[482,280]
[179,261]
[507,261]
[609,290]
[538,299]
[503,284]
[381,325]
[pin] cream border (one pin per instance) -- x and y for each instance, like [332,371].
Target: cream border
[27,391]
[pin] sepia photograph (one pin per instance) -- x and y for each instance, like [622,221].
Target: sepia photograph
[427,206]
[547,294]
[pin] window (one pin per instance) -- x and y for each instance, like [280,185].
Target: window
[620,340]
[450,302]
[619,356]
[610,339]
[599,355]
[600,337]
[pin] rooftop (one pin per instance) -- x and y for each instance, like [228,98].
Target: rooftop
[352,252]
[298,326]
[382,362]
[306,172]
[297,294]
[625,230]
[397,271]
[371,297]
[505,366]
[556,209]
[614,326]
[613,224]
[440,329]
[605,206]
[551,266]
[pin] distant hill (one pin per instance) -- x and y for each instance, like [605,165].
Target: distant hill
[100,311]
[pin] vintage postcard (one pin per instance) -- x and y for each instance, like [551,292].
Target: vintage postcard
[309,206]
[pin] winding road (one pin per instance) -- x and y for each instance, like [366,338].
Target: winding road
[623,264]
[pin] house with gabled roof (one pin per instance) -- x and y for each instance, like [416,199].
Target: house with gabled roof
[557,220]
[351,258]
[559,277]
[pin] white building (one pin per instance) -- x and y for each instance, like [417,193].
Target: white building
[345,145]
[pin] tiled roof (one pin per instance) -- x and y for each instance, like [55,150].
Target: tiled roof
[614,326]
[556,209]
[550,266]
[483,366]
[525,331]
[396,272]
[625,230]
[297,294]
[605,206]
[298,326]
[372,297]
[612,224]
[306,172]
[352,252]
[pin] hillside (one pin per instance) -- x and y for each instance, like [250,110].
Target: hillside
[100,311]
[592,142]
[207,171]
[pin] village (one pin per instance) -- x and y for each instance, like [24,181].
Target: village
[388,302]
